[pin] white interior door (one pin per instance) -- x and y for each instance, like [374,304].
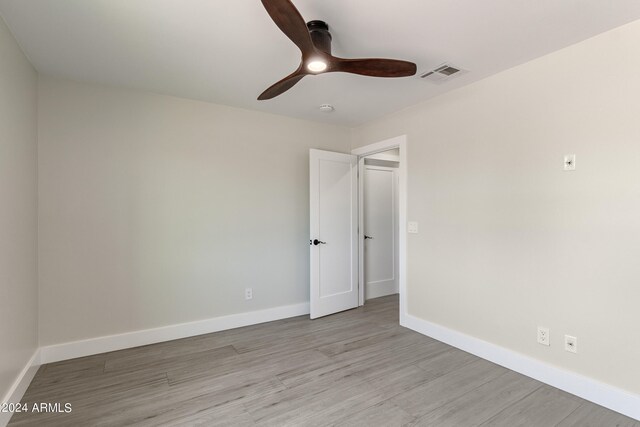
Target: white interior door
[380,231]
[334,236]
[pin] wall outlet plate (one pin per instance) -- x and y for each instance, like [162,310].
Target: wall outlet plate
[543,336]
[570,162]
[571,344]
[412,227]
[248,293]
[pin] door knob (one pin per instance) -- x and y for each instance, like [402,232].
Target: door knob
[367,237]
[317,242]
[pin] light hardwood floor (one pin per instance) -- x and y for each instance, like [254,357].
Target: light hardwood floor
[356,368]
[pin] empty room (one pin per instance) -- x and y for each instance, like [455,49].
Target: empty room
[320,213]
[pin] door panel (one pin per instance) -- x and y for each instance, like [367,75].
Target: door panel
[380,224]
[333,197]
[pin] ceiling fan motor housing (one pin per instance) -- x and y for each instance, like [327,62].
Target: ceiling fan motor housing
[319,31]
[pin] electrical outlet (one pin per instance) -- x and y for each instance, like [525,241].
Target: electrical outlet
[571,344]
[543,336]
[248,293]
[570,162]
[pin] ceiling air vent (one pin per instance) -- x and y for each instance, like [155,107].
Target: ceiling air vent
[442,73]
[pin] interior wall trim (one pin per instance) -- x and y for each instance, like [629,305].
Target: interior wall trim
[88,347]
[587,388]
[20,385]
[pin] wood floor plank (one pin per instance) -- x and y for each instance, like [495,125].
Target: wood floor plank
[482,403]
[273,406]
[355,368]
[382,414]
[187,400]
[385,336]
[590,415]
[227,416]
[89,407]
[366,365]
[547,406]
[273,365]
[265,346]
[423,399]
[169,357]
[97,388]
[60,372]
[325,407]
[449,359]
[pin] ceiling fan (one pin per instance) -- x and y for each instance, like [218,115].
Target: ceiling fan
[314,41]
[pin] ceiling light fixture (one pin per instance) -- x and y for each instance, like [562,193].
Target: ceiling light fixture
[326,108]
[317,66]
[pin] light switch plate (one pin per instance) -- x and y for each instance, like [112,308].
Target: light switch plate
[412,227]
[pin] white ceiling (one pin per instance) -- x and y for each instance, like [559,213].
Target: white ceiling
[228,52]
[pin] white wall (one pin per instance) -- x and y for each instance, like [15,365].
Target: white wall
[508,241]
[157,210]
[18,216]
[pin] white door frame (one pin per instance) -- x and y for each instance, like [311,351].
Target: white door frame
[399,142]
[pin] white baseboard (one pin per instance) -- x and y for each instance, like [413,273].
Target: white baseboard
[380,289]
[71,350]
[20,385]
[587,388]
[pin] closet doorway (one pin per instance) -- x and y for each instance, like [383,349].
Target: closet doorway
[380,223]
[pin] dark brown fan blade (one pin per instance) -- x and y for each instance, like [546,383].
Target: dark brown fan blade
[282,86]
[289,20]
[375,67]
